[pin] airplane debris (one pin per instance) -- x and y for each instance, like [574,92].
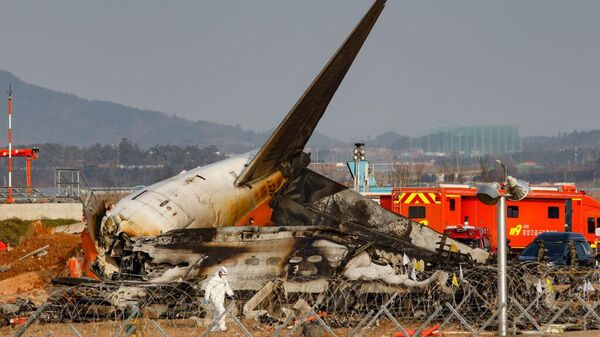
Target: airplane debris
[160,233]
[38,252]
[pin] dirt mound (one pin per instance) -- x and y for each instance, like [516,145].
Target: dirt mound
[30,285]
[61,247]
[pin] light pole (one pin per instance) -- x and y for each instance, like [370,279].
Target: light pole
[358,156]
[513,190]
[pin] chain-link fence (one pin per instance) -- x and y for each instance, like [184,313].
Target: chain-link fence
[541,299]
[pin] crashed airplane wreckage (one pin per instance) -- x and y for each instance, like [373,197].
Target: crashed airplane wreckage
[189,225]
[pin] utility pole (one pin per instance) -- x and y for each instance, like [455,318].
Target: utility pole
[502,258]
[502,282]
[514,190]
[9,199]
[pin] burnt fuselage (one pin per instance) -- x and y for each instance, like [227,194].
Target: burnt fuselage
[200,198]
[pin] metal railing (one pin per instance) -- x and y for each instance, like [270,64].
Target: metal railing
[24,195]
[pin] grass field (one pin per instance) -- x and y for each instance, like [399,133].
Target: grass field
[12,230]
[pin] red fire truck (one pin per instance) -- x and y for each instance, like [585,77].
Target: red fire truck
[547,208]
[476,237]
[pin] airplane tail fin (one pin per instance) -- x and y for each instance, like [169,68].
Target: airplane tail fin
[290,137]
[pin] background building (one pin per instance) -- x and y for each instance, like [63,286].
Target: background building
[472,140]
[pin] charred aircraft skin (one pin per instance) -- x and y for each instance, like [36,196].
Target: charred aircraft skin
[257,255]
[326,231]
[313,199]
[182,226]
[201,198]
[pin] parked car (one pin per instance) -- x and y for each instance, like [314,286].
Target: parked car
[558,249]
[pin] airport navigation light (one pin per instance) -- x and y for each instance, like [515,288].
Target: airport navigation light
[515,190]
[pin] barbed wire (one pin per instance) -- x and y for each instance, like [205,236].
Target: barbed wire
[542,290]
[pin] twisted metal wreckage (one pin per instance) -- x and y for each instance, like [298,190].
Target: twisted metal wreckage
[327,245]
[186,225]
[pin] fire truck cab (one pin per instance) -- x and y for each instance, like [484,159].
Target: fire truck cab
[475,237]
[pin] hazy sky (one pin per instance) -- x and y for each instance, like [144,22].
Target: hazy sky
[426,63]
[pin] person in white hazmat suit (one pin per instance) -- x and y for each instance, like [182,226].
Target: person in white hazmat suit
[216,288]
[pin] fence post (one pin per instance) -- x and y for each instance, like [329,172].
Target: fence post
[212,325]
[283,325]
[158,328]
[489,320]
[31,319]
[524,312]
[590,311]
[130,330]
[126,323]
[74,331]
[393,319]
[298,323]
[322,323]
[460,318]
[555,317]
[246,332]
[516,320]
[360,324]
[464,300]
[360,332]
[428,321]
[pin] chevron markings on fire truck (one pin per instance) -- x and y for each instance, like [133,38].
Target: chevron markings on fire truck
[418,198]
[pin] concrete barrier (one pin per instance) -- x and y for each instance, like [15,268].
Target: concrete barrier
[38,211]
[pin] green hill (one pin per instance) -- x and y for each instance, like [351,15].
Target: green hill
[45,116]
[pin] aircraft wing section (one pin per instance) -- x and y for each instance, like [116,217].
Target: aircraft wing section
[290,137]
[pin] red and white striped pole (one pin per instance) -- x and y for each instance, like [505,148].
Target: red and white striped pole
[9,199]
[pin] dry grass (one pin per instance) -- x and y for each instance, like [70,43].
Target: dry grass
[187,328]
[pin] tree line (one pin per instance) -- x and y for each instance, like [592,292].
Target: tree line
[122,164]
